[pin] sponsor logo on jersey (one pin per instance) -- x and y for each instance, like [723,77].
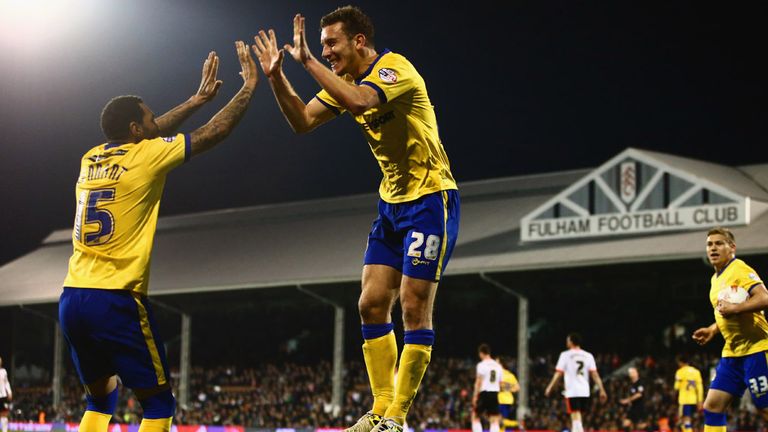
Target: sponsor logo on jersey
[375,122]
[169,139]
[753,276]
[388,75]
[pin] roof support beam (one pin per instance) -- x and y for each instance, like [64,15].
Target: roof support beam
[338,348]
[522,343]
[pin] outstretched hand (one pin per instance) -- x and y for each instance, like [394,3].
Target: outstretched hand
[209,85]
[249,72]
[265,48]
[300,50]
[703,335]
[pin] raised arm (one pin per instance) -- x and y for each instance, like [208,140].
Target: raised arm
[222,124]
[354,98]
[302,117]
[170,122]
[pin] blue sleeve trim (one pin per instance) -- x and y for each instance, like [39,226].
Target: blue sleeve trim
[756,284]
[329,106]
[373,331]
[187,148]
[382,96]
[370,68]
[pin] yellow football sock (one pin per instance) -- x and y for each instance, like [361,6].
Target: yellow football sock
[413,364]
[380,356]
[708,428]
[156,425]
[94,421]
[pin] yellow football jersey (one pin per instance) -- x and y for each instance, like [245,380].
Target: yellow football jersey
[745,333]
[689,386]
[401,131]
[118,196]
[508,379]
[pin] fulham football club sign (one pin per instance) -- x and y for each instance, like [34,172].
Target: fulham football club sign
[635,193]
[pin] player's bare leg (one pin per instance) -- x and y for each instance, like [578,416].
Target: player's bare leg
[476,422]
[494,423]
[417,297]
[715,404]
[686,424]
[576,425]
[380,284]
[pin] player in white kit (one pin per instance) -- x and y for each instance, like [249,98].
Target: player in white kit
[485,399]
[576,365]
[5,397]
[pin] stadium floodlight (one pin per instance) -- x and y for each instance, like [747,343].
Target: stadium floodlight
[26,24]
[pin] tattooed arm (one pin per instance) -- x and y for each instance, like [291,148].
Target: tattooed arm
[169,122]
[222,124]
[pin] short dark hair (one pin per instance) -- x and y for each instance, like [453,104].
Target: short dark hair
[118,114]
[575,338]
[682,358]
[354,22]
[725,232]
[484,349]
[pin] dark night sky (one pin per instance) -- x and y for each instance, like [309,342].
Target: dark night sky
[519,88]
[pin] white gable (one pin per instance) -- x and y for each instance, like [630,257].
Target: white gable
[636,192]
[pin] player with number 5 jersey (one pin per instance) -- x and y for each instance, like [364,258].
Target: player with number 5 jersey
[103,310]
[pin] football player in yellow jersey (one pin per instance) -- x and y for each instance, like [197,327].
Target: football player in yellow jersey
[103,310]
[509,386]
[411,241]
[739,319]
[690,392]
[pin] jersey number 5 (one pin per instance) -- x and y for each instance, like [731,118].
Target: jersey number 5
[88,202]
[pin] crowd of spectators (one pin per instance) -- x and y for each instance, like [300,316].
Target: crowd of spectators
[296,395]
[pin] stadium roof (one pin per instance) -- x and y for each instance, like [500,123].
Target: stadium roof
[322,241]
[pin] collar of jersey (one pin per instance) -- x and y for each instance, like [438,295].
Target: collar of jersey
[726,266]
[370,68]
[113,145]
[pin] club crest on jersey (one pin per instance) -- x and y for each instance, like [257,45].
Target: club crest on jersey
[169,139]
[388,75]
